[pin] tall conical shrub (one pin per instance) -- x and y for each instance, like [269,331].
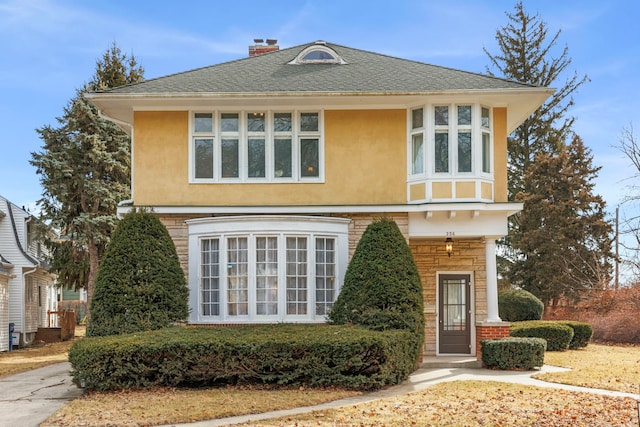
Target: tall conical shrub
[140,285]
[382,288]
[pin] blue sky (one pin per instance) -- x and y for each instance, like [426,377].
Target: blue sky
[49,48]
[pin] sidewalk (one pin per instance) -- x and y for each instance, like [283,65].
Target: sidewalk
[29,398]
[419,380]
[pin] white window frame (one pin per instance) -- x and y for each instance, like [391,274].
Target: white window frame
[429,131]
[270,136]
[254,227]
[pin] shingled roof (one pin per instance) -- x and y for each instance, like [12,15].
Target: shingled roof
[363,72]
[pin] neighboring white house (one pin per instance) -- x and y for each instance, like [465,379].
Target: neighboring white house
[30,287]
[5,267]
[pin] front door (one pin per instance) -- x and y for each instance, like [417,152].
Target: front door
[454,323]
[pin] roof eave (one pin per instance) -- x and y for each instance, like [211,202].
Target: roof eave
[119,107]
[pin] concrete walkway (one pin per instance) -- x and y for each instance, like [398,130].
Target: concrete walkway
[29,398]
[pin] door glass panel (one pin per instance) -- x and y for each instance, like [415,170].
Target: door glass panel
[454,304]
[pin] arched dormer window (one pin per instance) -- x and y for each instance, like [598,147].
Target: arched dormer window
[318,53]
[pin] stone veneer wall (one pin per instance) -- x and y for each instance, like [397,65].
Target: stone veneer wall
[431,258]
[179,232]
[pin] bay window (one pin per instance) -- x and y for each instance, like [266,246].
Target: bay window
[256,146]
[449,140]
[265,269]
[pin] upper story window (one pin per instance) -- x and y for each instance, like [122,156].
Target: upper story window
[318,53]
[256,146]
[450,140]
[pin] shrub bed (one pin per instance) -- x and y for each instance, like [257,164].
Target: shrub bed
[310,355]
[513,353]
[557,334]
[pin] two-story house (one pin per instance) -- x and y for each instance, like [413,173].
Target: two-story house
[267,170]
[27,289]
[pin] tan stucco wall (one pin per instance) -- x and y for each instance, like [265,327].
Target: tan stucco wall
[365,163]
[500,154]
[465,190]
[431,258]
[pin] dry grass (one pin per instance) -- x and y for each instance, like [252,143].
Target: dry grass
[25,359]
[475,403]
[469,403]
[597,366]
[167,406]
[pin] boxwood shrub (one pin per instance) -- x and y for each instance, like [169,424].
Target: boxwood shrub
[513,353]
[311,355]
[557,334]
[582,333]
[516,305]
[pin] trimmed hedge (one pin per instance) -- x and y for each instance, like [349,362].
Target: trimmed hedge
[582,333]
[517,305]
[557,334]
[513,353]
[310,355]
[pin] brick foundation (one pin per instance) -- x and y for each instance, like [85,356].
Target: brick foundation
[487,331]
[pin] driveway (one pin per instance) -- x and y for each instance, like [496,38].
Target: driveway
[29,398]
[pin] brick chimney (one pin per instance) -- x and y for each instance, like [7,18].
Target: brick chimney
[259,48]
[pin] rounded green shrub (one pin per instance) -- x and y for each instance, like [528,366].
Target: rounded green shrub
[582,333]
[517,305]
[382,288]
[140,285]
[557,334]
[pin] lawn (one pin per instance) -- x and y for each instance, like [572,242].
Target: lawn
[468,403]
[14,362]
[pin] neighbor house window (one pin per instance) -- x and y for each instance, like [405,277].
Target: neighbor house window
[253,270]
[256,146]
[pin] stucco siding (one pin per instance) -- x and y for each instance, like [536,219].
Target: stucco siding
[366,149]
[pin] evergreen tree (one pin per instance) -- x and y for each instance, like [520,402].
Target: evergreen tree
[140,284]
[526,56]
[565,240]
[84,169]
[382,288]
